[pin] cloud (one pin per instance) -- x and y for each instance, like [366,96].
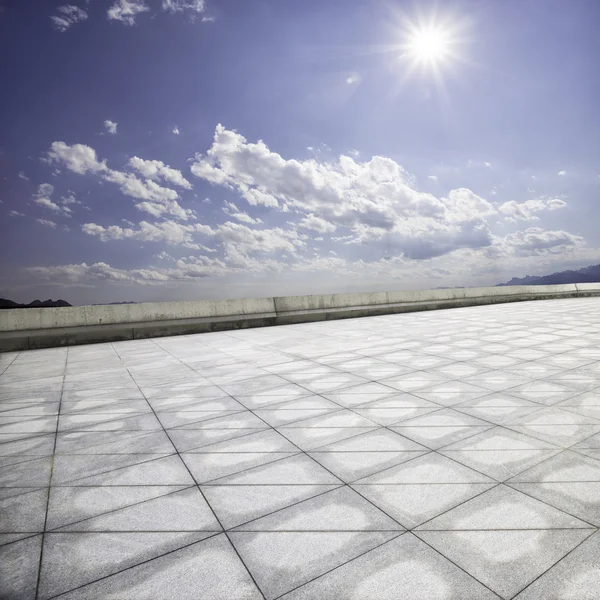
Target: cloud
[23,176]
[78,158]
[562,173]
[155,170]
[317,224]
[196,6]
[474,164]
[525,211]
[233,211]
[47,223]
[176,130]
[15,213]
[537,241]
[69,15]
[169,232]
[126,11]
[374,199]
[353,79]
[110,126]
[42,198]
[157,200]
[240,245]
[432,177]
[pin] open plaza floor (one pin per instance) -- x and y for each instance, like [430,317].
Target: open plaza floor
[444,455]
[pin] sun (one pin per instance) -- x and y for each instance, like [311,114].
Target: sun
[429,44]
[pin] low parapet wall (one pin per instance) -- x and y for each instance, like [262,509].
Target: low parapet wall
[23,329]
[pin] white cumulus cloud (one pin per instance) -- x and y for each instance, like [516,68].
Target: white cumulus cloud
[47,223]
[110,126]
[126,11]
[156,169]
[68,16]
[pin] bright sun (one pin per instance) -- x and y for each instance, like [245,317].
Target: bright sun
[429,45]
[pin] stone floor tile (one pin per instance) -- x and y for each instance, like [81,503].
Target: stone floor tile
[430,468]
[176,510]
[575,577]
[291,470]
[71,560]
[69,505]
[237,504]
[19,565]
[24,510]
[414,504]
[282,560]
[405,567]
[339,510]
[503,508]
[504,561]
[206,467]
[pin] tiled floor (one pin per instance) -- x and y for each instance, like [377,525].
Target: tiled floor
[448,455]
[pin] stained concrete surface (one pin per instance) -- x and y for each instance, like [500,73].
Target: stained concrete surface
[451,455]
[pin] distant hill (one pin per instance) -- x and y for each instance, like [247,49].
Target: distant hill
[4,303]
[586,275]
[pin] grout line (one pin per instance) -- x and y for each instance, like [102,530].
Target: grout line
[196,484]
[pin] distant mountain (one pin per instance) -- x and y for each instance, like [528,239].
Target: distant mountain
[4,303]
[586,275]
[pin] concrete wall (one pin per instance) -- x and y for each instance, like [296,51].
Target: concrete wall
[45,327]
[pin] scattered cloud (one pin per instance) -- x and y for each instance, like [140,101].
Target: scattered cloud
[317,224]
[233,211]
[526,211]
[562,173]
[110,126]
[475,164]
[373,200]
[353,79]
[537,241]
[78,158]
[126,11]
[47,223]
[156,170]
[15,213]
[68,16]
[193,6]
[157,200]
[176,130]
[23,176]
[432,177]
[42,197]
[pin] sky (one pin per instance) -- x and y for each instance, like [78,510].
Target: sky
[155,150]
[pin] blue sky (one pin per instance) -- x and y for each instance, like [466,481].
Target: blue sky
[181,149]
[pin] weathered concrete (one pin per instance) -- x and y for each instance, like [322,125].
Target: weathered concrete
[22,329]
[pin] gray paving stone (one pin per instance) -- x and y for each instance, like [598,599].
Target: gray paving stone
[237,504]
[23,511]
[183,510]
[573,578]
[71,560]
[420,414]
[19,564]
[504,561]
[503,508]
[281,560]
[403,568]
[339,510]
[68,505]
[210,570]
